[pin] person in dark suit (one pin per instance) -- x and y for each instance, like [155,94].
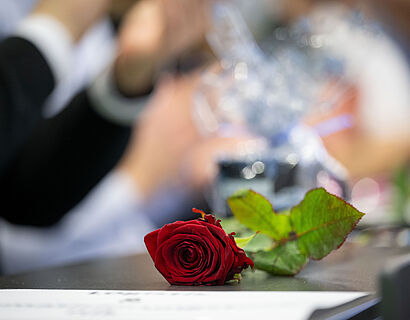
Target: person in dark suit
[49,165]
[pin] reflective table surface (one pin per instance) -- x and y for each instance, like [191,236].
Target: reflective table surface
[351,268]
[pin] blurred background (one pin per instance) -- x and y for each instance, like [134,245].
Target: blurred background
[273,95]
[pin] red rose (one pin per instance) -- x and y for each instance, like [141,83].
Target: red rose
[196,252]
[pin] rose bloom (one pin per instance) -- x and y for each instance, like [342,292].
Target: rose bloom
[196,252]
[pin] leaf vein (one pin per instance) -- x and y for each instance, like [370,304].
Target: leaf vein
[299,235]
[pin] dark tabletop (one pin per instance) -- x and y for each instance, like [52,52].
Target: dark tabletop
[351,268]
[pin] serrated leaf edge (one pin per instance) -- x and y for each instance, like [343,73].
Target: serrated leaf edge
[298,236]
[341,243]
[347,234]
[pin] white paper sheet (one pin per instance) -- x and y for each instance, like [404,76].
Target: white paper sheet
[158,305]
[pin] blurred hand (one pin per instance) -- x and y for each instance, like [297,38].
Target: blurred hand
[361,152]
[153,32]
[166,145]
[76,15]
[162,138]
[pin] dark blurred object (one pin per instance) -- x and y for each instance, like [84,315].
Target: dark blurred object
[395,289]
[363,308]
[119,9]
[281,181]
[393,304]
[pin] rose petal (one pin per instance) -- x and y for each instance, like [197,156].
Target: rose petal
[151,243]
[168,230]
[210,262]
[197,252]
[165,258]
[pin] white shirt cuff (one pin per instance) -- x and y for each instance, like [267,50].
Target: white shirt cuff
[109,222]
[52,39]
[110,104]
[113,199]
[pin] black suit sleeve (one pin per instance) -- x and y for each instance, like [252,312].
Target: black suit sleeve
[62,161]
[25,82]
[47,165]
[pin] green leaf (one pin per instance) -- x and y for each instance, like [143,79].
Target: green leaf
[261,242]
[322,222]
[401,194]
[233,225]
[312,229]
[243,242]
[283,260]
[255,211]
[254,243]
[258,241]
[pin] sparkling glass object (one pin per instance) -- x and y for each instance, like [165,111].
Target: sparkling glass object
[266,90]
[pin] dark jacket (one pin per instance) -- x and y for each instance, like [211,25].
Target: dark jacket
[47,165]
